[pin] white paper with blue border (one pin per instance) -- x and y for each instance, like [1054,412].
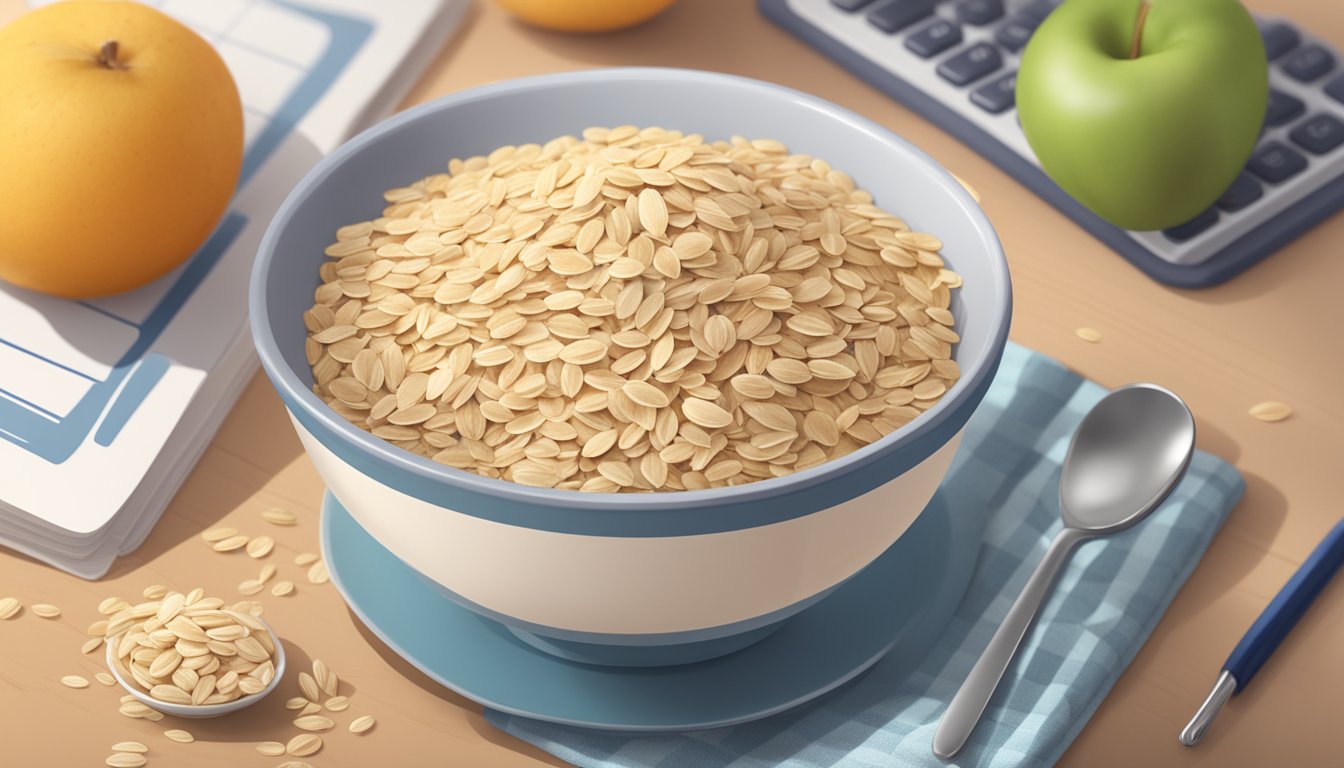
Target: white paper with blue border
[106,404]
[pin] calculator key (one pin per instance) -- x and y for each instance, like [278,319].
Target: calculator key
[1282,108]
[899,14]
[1244,191]
[1039,9]
[1336,89]
[1275,162]
[1308,63]
[971,64]
[850,5]
[979,12]
[934,39]
[1279,39]
[1318,134]
[998,95]
[1192,227]
[1015,34]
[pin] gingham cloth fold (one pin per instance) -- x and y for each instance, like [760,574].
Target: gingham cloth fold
[1104,606]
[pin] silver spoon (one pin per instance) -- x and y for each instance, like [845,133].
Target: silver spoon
[1127,455]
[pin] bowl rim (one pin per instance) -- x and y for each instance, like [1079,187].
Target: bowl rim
[376,450]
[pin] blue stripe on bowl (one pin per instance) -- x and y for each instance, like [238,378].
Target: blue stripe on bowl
[646,655]
[348,181]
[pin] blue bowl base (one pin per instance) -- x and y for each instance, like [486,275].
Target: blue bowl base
[645,655]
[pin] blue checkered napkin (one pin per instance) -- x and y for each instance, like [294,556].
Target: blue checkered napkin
[1105,604]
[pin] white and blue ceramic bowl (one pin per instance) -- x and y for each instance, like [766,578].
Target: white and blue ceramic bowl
[629,578]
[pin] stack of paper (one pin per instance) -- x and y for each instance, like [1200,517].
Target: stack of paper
[105,405]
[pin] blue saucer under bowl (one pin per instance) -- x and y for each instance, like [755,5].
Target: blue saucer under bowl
[898,604]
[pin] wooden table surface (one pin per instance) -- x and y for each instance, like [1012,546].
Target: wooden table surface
[1272,334]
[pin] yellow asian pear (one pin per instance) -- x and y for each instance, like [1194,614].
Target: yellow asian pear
[121,140]
[585,15]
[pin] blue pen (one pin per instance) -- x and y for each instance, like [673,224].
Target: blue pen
[1269,630]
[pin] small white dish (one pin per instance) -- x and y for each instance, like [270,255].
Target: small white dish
[205,710]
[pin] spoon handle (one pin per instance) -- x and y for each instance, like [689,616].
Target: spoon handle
[969,703]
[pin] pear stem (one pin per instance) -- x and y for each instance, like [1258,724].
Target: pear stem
[107,56]
[1137,40]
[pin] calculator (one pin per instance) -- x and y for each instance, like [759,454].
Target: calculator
[955,63]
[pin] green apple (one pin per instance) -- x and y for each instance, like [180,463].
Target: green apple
[1144,111]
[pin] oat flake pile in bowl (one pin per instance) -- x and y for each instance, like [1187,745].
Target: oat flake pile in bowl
[636,310]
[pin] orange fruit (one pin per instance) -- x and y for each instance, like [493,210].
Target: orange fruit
[585,15]
[121,140]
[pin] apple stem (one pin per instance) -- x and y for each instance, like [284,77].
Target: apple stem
[107,56]
[1137,40]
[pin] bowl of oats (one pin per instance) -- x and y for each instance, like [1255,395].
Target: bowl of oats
[631,358]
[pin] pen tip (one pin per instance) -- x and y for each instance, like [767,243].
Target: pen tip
[1199,724]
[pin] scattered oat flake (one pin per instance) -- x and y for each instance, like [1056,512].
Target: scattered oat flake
[125,760]
[180,736]
[230,544]
[129,746]
[250,587]
[317,573]
[283,588]
[307,558]
[91,645]
[218,534]
[155,591]
[1090,335]
[105,679]
[294,764]
[271,748]
[260,547]
[279,517]
[309,687]
[315,723]
[298,702]
[338,703]
[1270,410]
[304,744]
[9,607]
[74,681]
[111,605]
[974,194]
[326,678]
[361,724]
[46,610]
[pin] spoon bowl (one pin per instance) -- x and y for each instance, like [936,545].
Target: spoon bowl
[1126,457]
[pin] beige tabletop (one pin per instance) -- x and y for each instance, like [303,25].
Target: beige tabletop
[1272,334]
